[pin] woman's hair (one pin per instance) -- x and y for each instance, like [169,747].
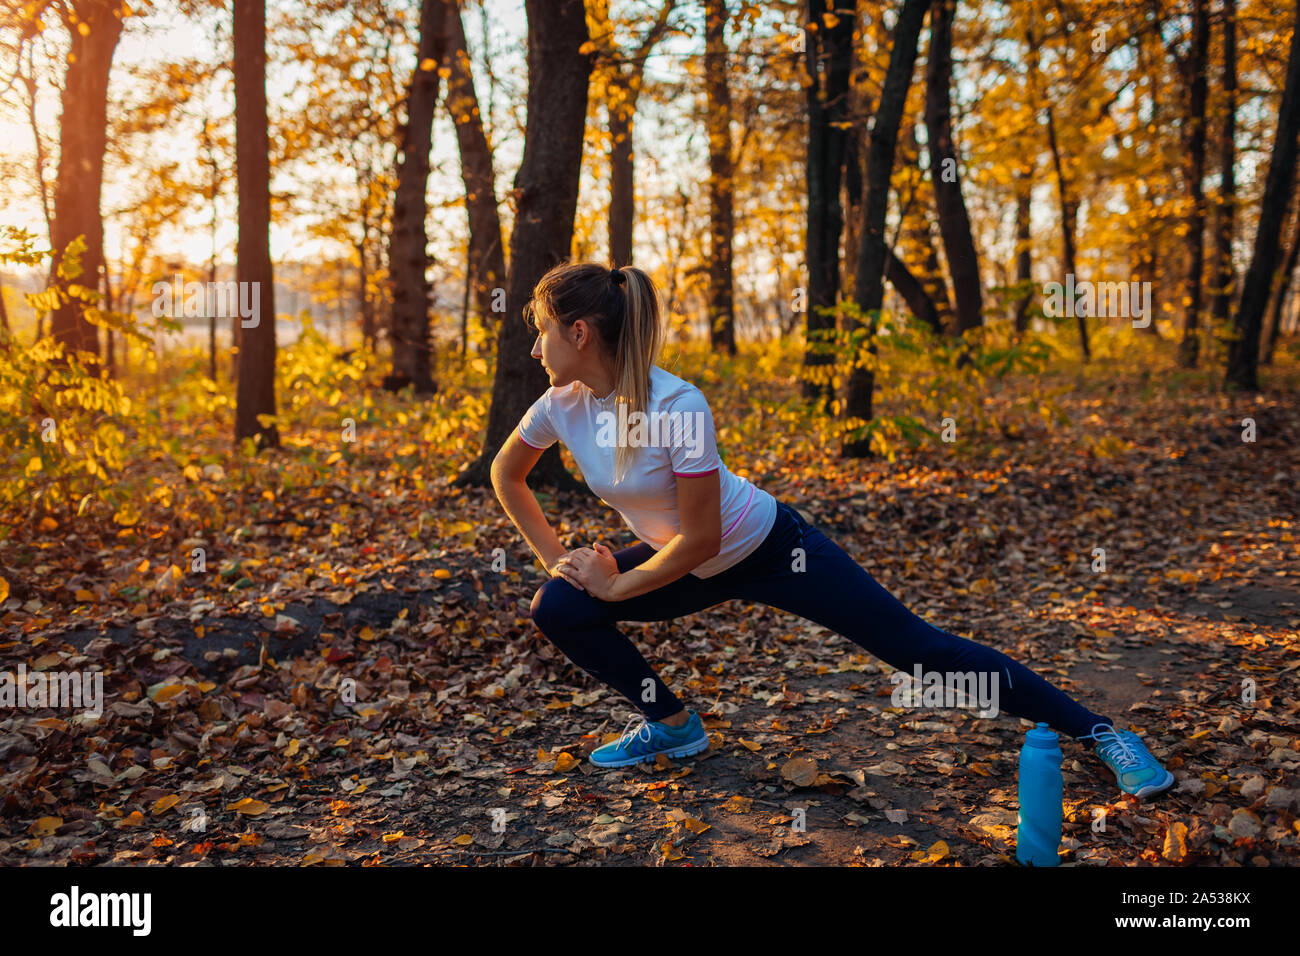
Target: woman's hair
[623,306]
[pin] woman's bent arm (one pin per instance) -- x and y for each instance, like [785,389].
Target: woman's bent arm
[509,469]
[699,540]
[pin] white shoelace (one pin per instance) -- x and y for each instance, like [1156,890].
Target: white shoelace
[635,728]
[1113,744]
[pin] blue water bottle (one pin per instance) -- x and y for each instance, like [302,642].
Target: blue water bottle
[1038,833]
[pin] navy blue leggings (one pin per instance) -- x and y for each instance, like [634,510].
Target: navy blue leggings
[831,589]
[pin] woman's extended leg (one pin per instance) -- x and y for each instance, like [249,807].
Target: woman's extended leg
[581,626]
[836,592]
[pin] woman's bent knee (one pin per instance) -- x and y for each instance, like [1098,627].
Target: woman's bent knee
[558,605]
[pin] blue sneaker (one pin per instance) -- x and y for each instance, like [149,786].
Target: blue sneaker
[1136,771]
[643,740]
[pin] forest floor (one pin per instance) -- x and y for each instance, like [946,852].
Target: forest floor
[364,686]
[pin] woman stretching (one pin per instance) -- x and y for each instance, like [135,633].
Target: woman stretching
[645,442]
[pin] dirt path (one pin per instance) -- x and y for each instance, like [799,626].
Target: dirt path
[420,717]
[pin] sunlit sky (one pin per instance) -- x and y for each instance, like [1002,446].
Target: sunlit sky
[669,146]
[161,38]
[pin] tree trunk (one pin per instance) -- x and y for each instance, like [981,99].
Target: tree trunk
[854,155]
[208,148]
[829,56]
[622,190]
[110,305]
[1221,303]
[911,290]
[212,322]
[1190,346]
[624,87]
[82,139]
[917,231]
[1024,271]
[1280,297]
[1069,207]
[408,253]
[1243,350]
[868,281]
[369,328]
[547,190]
[486,252]
[255,391]
[908,285]
[721,312]
[954,222]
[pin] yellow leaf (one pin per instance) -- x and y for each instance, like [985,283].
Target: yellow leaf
[33,466]
[932,855]
[249,807]
[45,826]
[166,693]
[688,821]
[367,633]
[1175,850]
[428,64]
[565,762]
[49,524]
[84,595]
[4,590]
[163,804]
[442,573]
[394,837]
[292,749]
[738,804]
[463,840]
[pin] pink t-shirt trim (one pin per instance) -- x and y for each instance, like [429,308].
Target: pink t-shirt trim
[745,511]
[527,442]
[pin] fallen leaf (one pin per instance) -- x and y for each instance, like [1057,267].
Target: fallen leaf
[1175,849]
[932,854]
[249,807]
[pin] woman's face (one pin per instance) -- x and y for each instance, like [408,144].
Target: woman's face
[556,348]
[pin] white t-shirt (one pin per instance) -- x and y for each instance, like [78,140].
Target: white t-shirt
[675,437]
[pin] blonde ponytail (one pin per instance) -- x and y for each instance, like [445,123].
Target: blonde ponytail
[624,306]
[639,343]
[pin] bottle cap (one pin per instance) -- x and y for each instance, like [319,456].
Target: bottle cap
[1042,736]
